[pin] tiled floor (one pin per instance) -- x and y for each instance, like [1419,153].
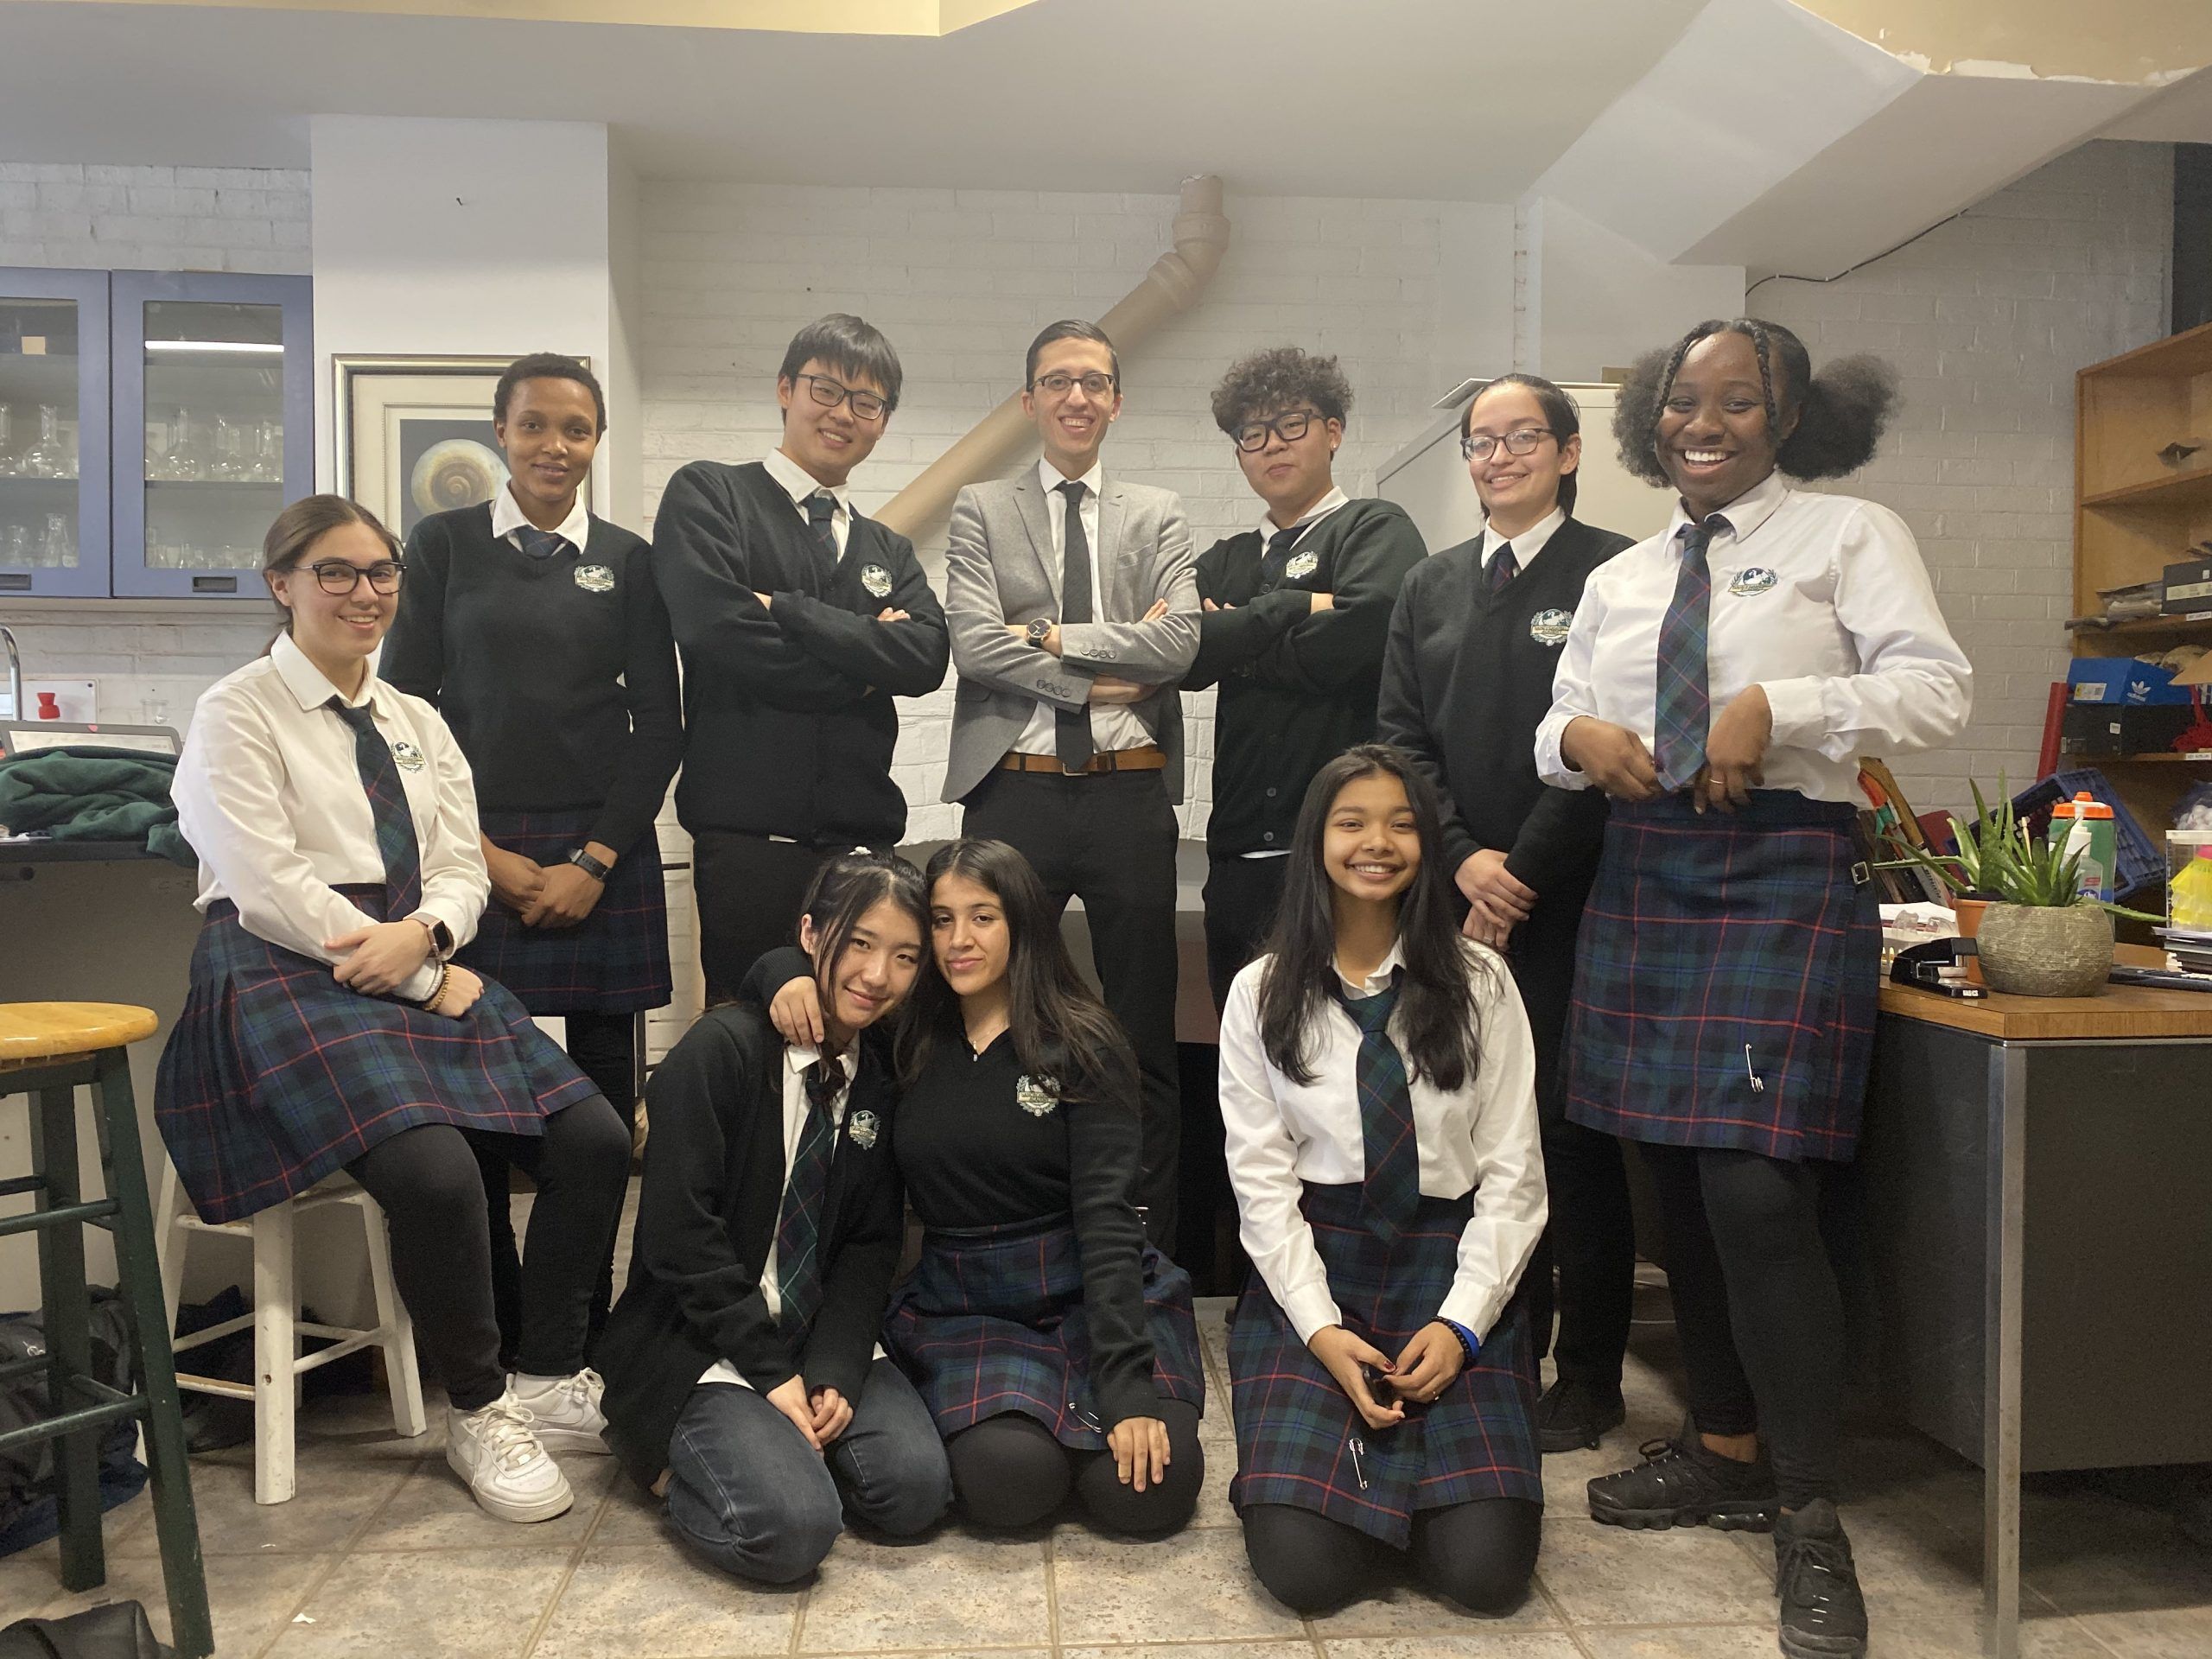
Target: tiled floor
[382,1554]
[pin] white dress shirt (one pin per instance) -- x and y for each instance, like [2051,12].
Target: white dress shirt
[1282,1133]
[1113,725]
[796,1057]
[798,484]
[1313,515]
[509,521]
[1820,599]
[270,795]
[1529,543]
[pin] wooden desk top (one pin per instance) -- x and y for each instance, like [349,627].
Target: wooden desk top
[2121,1012]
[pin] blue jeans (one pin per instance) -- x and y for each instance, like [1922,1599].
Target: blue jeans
[748,1495]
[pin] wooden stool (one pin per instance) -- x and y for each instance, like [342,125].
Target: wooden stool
[278,1365]
[46,1050]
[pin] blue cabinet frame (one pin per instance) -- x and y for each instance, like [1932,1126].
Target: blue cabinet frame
[132,291]
[89,577]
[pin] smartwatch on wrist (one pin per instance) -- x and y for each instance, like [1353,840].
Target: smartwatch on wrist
[590,866]
[440,935]
[1041,631]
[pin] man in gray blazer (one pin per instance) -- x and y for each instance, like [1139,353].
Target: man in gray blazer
[1074,614]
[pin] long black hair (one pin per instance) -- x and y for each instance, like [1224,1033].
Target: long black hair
[1442,1039]
[845,889]
[1561,413]
[1840,411]
[1061,1030]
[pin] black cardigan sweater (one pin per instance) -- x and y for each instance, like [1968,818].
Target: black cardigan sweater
[560,695]
[1297,686]
[790,722]
[1466,680]
[714,1185]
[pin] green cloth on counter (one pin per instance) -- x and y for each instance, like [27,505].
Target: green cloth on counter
[75,792]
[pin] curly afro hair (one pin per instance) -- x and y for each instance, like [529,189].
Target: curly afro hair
[1840,411]
[1283,378]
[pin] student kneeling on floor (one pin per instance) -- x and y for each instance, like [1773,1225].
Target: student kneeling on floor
[743,1381]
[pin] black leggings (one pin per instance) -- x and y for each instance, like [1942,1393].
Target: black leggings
[1010,1472]
[1756,1306]
[1479,1554]
[604,1048]
[428,1182]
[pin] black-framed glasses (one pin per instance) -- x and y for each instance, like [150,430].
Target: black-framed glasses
[866,405]
[1253,435]
[339,577]
[1096,384]
[1523,441]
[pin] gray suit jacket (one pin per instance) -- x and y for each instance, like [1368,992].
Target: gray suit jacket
[999,568]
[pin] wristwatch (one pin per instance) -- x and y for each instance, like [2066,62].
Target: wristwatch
[440,935]
[1041,631]
[590,866]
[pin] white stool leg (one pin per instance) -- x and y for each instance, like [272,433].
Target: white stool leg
[171,1240]
[396,1325]
[275,1350]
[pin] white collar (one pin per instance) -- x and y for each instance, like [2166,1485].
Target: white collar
[1529,543]
[1313,515]
[799,483]
[1745,513]
[308,684]
[799,1056]
[1049,478]
[1380,979]
[507,517]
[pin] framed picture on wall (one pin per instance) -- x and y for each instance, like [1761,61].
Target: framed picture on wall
[414,435]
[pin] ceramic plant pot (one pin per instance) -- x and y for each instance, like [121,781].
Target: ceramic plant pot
[2065,950]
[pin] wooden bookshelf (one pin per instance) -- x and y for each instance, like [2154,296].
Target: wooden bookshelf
[2143,499]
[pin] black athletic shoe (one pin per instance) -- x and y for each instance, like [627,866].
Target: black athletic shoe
[1823,1614]
[1680,1484]
[1573,1416]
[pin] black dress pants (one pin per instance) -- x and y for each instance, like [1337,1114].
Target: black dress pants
[604,1048]
[1756,1306]
[749,890]
[1240,897]
[1109,839]
[427,1180]
[1480,1553]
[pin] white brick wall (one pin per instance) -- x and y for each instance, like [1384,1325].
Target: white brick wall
[1988,318]
[1409,294]
[91,217]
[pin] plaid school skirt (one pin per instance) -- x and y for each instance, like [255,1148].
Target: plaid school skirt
[615,960]
[1727,979]
[992,1321]
[276,1074]
[1301,1441]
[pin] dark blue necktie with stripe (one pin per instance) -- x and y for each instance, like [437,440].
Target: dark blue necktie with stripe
[395,819]
[821,518]
[1503,567]
[798,1224]
[1683,707]
[540,544]
[1391,1193]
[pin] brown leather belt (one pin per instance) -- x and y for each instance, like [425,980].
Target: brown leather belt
[1146,756]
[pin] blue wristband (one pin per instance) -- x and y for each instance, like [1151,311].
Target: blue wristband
[1470,1344]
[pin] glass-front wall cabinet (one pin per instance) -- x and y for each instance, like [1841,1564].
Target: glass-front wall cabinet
[151,425]
[53,432]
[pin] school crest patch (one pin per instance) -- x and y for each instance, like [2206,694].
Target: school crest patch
[1301,565]
[1752,579]
[877,580]
[1037,1095]
[863,1127]
[594,579]
[406,756]
[1550,627]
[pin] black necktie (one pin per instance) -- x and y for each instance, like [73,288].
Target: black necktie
[1277,556]
[1503,567]
[1071,727]
[395,820]
[821,509]
[539,544]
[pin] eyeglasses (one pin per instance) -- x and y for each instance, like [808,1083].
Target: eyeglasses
[1476,446]
[337,576]
[866,406]
[1095,384]
[1289,428]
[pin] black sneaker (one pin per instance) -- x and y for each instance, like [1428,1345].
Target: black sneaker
[1680,1484]
[1573,1416]
[1823,1614]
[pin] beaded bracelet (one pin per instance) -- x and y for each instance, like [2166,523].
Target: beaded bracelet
[429,1004]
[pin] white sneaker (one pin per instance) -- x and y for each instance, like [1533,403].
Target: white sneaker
[565,1413]
[507,1470]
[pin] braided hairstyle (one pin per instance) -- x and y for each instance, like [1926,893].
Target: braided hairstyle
[1840,412]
